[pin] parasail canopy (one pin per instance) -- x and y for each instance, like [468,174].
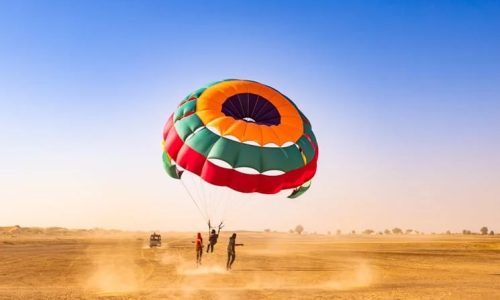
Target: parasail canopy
[243,135]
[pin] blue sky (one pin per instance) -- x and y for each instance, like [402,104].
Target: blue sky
[404,97]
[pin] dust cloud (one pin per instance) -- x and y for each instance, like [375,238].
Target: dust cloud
[361,275]
[114,271]
[108,278]
[83,265]
[187,268]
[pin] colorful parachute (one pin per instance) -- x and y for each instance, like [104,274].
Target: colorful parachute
[243,135]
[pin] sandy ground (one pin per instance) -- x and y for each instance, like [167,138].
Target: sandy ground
[73,265]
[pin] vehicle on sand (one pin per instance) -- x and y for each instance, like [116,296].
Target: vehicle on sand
[155,240]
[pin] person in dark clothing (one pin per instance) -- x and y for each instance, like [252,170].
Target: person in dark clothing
[231,251]
[212,240]
[213,236]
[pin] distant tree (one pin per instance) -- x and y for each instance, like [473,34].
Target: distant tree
[291,231]
[492,232]
[387,231]
[397,230]
[267,230]
[329,233]
[484,230]
[380,233]
[448,232]
[368,231]
[353,232]
[299,229]
[417,232]
[408,231]
[339,232]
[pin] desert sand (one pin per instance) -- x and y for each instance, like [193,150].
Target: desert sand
[56,263]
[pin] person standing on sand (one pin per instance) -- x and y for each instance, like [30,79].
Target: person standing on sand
[199,248]
[231,251]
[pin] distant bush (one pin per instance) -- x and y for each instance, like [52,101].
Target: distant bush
[353,232]
[299,229]
[466,232]
[387,231]
[267,230]
[291,231]
[492,232]
[368,231]
[448,232]
[408,231]
[397,230]
[339,232]
[484,230]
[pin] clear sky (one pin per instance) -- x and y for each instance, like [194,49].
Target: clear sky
[404,97]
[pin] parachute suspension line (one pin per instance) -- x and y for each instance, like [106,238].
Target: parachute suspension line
[226,203]
[206,194]
[194,201]
[210,191]
[202,199]
[197,191]
[222,202]
[214,200]
[217,202]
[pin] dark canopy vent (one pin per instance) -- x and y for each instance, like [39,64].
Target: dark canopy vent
[251,108]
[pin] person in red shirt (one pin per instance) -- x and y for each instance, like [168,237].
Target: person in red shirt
[199,248]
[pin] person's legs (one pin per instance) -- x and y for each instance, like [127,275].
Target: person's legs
[212,250]
[233,257]
[199,253]
[228,260]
